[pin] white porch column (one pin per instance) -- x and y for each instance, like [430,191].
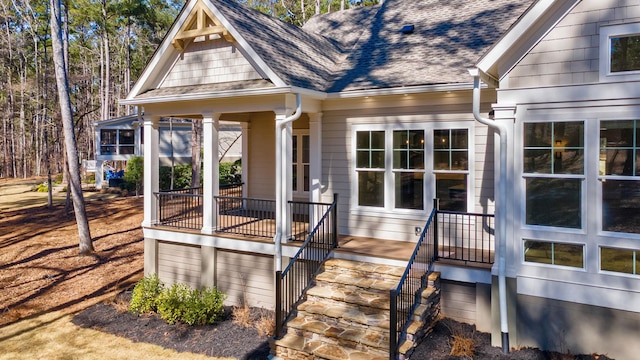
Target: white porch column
[315,157]
[245,158]
[210,176]
[151,168]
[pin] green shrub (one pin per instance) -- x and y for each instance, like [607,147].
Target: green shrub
[59,178]
[145,294]
[171,302]
[192,307]
[203,307]
[134,174]
[182,177]
[230,172]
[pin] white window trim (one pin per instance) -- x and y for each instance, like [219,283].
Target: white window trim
[606,33]
[585,264]
[602,234]
[389,210]
[524,176]
[616,273]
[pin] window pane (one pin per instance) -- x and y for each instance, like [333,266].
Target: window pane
[400,139]
[127,150]
[568,134]
[537,161]
[537,134]
[371,188]
[568,161]
[554,202]
[107,150]
[305,149]
[108,137]
[306,177]
[441,160]
[568,255]
[362,140]
[294,172]
[538,252]
[400,159]
[362,159]
[621,206]
[617,151]
[377,159]
[409,190]
[459,139]
[441,139]
[625,53]
[618,260]
[451,189]
[126,137]
[459,160]
[377,140]
[416,139]
[619,162]
[416,159]
[294,148]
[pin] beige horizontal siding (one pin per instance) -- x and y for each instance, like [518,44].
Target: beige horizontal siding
[339,168]
[179,263]
[569,54]
[458,301]
[244,274]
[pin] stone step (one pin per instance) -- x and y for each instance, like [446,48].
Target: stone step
[324,350]
[354,336]
[382,284]
[378,299]
[333,311]
[363,269]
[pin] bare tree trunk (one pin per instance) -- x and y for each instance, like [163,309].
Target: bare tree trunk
[341,5]
[196,135]
[75,184]
[317,7]
[106,81]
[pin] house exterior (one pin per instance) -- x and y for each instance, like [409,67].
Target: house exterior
[375,105]
[119,139]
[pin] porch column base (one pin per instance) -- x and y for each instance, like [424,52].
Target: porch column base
[208,230]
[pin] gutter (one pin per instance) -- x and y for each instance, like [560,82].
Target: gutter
[281,178]
[501,213]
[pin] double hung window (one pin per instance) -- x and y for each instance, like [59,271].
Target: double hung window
[300,162]
[554,173]
[114,141]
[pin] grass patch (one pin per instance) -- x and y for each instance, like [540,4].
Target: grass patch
[54,336]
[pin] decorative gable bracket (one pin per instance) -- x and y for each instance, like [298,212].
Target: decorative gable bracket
[200,22]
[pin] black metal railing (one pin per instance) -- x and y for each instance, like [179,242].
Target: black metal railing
[179,208]
[466,237]
[246,216]
[405,297]
[293,282]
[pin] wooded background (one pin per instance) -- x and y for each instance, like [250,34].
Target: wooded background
[107,44]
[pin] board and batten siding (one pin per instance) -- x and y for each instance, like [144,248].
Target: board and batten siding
[338,166]
[240,274]
[569,53]
[209,62]
[179,263]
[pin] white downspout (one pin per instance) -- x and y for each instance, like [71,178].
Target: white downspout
[281,171]
[501,218]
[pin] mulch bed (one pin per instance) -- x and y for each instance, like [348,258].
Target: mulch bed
[222,339]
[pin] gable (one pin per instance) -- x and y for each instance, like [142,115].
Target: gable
[208,53]
[209,62]
[570,53]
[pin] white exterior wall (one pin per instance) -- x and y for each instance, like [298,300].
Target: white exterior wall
[569,54]
[439,110]
[207,62]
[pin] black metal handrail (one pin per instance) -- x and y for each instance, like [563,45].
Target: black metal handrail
[468,237]
[293,282]
[405,297]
